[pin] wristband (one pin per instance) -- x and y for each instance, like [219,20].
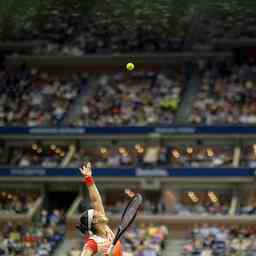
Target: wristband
[89,181]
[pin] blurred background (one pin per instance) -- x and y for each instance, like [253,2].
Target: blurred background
[179,128]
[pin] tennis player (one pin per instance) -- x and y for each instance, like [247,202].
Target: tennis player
[94,222]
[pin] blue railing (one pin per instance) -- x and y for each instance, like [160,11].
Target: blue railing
[130,172]
[130,130]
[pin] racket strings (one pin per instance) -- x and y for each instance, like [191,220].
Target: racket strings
[131,211]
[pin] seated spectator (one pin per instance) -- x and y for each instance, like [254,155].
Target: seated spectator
[248,156]
[248,209]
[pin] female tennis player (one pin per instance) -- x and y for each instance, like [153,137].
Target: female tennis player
[94,223]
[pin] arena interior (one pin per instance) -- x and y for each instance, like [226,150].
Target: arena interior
[179,128]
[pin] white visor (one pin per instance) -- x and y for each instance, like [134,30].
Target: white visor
[90,218]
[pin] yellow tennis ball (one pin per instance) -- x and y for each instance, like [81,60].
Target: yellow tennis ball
[130,66]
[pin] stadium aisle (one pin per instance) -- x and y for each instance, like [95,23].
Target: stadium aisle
[192,89]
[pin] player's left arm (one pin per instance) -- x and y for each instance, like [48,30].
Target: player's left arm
[94,193]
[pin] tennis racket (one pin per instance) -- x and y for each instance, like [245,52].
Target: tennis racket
[127,218]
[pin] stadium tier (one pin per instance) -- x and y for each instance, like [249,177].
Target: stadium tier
[83,138]
[76,28]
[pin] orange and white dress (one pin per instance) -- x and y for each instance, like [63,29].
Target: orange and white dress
[100,245]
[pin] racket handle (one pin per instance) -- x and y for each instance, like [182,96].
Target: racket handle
[111,248]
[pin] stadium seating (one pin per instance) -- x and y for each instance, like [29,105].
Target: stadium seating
[136,99]
[33,98]
[227,20]
[227,96]
[39,239]
[119,27]
[52,99]
[214,240]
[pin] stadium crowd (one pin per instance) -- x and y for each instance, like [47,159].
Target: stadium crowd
[29,97]
[217,240]
[141,98]
[108,29]
[118,27]
[227,95]
[16,203]
[33,98]
[229,20]
[39,238]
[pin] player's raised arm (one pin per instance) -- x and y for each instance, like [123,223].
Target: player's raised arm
[94,194]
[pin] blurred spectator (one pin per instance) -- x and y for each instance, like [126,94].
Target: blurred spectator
[249,209]
[248,156]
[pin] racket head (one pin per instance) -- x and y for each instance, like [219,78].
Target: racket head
[129,215]
[135,203]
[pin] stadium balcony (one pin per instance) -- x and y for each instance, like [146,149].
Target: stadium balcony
[179,209]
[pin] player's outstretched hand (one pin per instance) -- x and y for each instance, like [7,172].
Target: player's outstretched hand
[129,192]
[86,170]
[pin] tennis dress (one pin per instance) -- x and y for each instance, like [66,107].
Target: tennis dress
[99,245]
